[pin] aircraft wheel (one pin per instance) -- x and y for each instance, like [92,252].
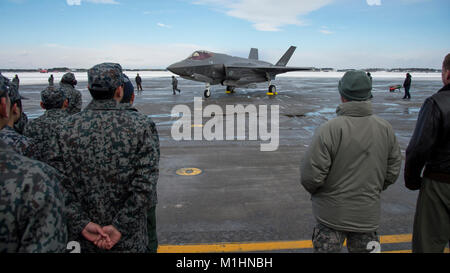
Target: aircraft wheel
[207,93]
[272,90]
[229,90]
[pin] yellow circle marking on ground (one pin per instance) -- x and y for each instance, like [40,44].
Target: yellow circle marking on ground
[189,171]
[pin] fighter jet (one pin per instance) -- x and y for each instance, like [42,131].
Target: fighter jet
[216,68]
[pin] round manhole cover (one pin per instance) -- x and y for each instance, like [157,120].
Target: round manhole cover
[189,171]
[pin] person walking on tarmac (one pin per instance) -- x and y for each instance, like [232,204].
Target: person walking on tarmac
[138,82]
[16,80]
[51,80]
[407,86]
[350,161]
[429,148]
[175,85]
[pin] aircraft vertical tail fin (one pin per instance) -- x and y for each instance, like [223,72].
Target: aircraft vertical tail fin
[253,54]
[286,57]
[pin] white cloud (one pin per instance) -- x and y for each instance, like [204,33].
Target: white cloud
[163,25]
[374,2]
[268,15]
[324,31]
[78,2]
[73,2]
[131,55]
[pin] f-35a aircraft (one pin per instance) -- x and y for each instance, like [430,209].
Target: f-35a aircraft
[215,68]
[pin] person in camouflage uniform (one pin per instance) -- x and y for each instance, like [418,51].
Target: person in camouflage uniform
[127,104]
[45,128]
[128,95]
[31,203]
[68,82]
[111,159]
[8,134]
[19,125]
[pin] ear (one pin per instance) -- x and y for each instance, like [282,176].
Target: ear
[15,109]
[4,111]
[118,95]
[42,105]
[132,98]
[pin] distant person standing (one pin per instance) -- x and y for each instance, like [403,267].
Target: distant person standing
[68,82]
[369,75]
[138,82]
[429,148]
[51,80]
[175,85]
[16,80]
[351,160]
[407,86]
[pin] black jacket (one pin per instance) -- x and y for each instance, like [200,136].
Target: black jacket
[429,146]
[138,80]
[407,82]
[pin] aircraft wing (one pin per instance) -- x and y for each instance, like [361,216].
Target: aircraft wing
[272,70]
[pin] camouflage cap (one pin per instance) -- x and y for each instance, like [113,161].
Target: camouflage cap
[4,85]
[105,77]
[68,78]
[14,94]
[127,90]
[53,97]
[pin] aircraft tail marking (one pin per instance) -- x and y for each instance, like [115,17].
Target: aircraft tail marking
[286,57]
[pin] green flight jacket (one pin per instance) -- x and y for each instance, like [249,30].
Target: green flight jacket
[350,161]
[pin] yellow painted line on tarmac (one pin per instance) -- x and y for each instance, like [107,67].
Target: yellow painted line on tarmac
[196,125]
[395,239]
[262,246]
[234,247]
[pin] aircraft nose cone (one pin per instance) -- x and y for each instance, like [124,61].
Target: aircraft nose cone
[176,69]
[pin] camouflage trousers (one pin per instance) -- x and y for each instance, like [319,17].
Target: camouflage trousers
[328,240]
[151,228]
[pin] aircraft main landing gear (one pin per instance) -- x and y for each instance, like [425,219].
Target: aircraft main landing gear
[229,90]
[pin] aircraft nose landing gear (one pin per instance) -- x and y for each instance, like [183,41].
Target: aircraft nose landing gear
[207,92]
[272,90]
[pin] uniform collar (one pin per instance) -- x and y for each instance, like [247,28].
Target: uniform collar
[355,109]
[56,112]
[109,104]
[8,128]
[127,106]
[445,88]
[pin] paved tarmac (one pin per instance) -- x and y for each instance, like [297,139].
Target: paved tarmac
[243,194]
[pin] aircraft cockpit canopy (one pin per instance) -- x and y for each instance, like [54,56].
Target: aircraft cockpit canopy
[200,55]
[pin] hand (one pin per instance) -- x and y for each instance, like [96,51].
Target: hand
[93,232]
[113,235]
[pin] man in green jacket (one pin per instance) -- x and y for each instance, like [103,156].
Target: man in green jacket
[350,161]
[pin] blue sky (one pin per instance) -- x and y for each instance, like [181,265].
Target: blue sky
[154,34]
